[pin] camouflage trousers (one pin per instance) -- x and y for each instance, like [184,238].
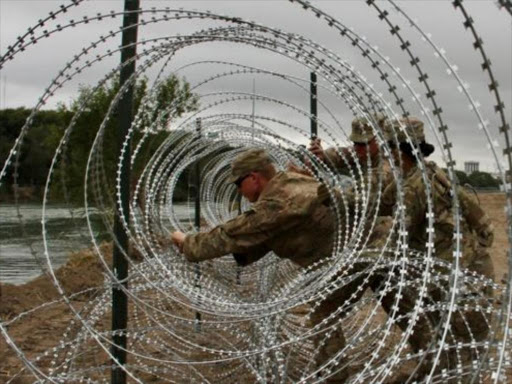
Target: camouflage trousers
[468,326]
[348,295]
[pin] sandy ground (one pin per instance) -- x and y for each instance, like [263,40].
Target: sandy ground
[494,205]
[49,318]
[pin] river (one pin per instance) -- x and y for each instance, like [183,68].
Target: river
[67,232]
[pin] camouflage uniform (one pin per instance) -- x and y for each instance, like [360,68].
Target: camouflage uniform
[288,219]
[476,238]
[475,225]
[373,182]
[362,132]
[370,185]
[374,177]
[474,243]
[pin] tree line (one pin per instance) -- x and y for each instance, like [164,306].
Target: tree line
[478,180]
[89,109]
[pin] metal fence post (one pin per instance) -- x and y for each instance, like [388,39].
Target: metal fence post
[197,217]
[120,263]
[313,106]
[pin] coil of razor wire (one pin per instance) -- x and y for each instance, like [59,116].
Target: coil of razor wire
[256,322]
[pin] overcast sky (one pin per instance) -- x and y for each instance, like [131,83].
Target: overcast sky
[24,79]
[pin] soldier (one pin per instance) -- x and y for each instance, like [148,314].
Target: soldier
[365,147]
[374,177]
[287,218]
[475,227]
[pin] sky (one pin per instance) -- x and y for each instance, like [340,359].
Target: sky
[24,79]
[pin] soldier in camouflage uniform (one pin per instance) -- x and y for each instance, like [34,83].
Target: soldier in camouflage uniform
[375,172]
[379,176]
[366,150]
[475,227]
[287,218]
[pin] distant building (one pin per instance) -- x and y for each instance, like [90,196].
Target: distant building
[471,166]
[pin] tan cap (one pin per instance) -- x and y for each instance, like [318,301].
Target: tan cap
[362,131]
[385,125]
[414,128]
[249,161]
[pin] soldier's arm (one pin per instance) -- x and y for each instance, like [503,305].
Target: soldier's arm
[388,200]
[336,162]
[245,234]
[476,217]
[221,241]
[414,200]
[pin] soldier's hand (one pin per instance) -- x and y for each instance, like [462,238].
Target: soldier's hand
[315,146]
[178,239]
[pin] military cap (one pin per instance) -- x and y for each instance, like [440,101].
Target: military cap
[414,128]
[249,161]
[362,131]
[385,125]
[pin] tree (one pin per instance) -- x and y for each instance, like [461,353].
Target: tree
[90,109]
[462,177]
[483,180]
[38,145]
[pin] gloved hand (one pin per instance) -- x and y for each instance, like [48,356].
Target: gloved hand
[315,146]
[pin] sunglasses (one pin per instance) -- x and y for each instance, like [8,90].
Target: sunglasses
[238,182]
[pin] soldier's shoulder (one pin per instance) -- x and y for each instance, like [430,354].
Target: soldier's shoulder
[439,176]
[284,179]
[415,176]
[290,186]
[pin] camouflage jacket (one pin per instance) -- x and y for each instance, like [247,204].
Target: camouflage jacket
[367,181]
[363,197]
[288,218]
[476,234]
[342,165]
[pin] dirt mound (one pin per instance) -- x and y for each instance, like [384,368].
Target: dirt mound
[84,270]
[494,205]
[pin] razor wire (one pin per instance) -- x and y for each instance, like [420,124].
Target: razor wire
[255,320]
